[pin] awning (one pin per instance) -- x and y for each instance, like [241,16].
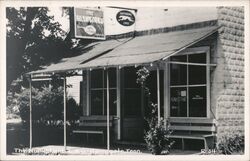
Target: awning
[135,51]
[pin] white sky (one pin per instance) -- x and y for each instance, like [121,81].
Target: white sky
[149,17]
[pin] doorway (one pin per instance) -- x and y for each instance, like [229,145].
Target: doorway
[134,104]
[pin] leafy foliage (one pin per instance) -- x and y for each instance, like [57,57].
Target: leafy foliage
[34,39]
[230,144]
[157,135]
[47,105]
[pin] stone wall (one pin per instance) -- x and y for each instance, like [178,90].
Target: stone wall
[229,75]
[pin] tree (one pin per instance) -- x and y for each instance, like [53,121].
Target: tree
[33,39]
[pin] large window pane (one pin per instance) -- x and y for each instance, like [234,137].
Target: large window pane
[197,58]
[112,102]
[132,102]
[178,102]
[96,102]
[181,58]
[197,74]
[96,78]
[197,102]
[178,74]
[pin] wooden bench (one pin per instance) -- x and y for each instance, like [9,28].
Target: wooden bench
[93,125]
[194,128]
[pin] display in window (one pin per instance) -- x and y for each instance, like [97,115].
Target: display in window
[197,101]
[178,102]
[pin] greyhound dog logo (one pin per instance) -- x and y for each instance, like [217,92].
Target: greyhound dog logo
[125,18]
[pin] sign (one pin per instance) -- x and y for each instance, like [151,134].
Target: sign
[125,18]
[197,97]
[89,23]
[115,27]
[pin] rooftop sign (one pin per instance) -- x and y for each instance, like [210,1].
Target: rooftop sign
[125,18]
[89,23]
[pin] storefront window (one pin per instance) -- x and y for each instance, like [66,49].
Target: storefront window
[188,86]
[98,91]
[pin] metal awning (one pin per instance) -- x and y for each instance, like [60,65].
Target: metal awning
[135,51]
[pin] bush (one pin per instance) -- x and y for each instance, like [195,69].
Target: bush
[47,105]
[231,144]
[157,135]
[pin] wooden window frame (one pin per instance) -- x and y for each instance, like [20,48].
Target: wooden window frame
[188,51]
[90,89]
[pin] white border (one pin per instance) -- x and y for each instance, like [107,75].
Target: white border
[131,3]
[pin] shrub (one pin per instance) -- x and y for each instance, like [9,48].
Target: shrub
[47,105]
[231,144]
[157,135]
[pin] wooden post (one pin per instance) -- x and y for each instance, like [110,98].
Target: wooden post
[166,93]
[88,92]
[208,84]
[108,137]
[30,85]
[158,95]
[64,112]
[118,94]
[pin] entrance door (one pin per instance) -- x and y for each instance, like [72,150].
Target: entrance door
[135,105]
[131,104]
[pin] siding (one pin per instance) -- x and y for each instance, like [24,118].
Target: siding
[73,88]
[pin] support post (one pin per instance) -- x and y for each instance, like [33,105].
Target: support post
[118,93]
[158,95]
[30,86]
[108,132]
[64,112]
[88,92]
[166,94]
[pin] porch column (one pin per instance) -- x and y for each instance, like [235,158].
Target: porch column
[30,86]
[108,137]
[158,95]
[118,97]
[88,92]
[166,93]
[64,112]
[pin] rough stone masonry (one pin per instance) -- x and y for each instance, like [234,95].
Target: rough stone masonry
[230,65]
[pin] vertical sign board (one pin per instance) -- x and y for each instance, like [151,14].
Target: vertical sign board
[89,23]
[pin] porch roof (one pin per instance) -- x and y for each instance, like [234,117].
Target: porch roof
[134,51]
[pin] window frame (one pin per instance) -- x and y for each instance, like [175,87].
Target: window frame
[124,88]
[191,51]
[103,89]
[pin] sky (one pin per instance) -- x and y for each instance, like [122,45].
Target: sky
[148,18]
